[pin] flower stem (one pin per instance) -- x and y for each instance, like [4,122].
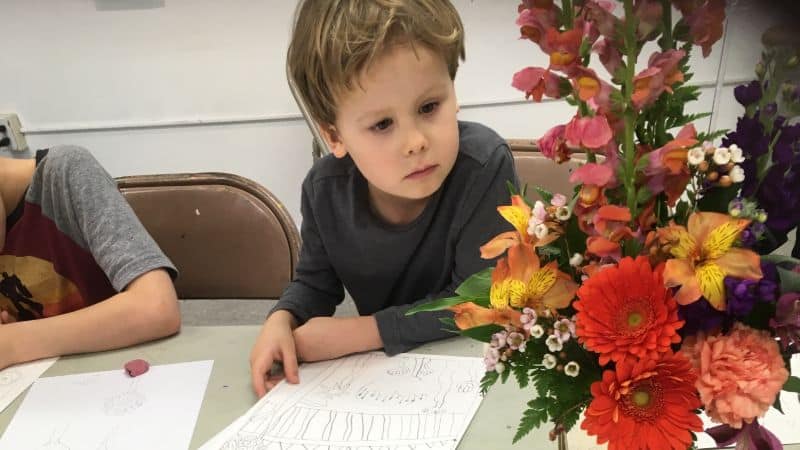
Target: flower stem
[666,39]
[628,145]
[567,12]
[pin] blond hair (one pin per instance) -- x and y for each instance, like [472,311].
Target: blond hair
[333,41]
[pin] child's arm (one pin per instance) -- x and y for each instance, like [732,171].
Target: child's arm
[274,344]
[95,223]
[146,310]
[315,291]
[324,338]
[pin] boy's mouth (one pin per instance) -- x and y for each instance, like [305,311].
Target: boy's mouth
[422,172]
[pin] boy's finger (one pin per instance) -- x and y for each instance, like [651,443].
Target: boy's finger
[273,381]
[258,373]
[290,365]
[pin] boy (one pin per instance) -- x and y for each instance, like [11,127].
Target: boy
[397,214]
[74,257]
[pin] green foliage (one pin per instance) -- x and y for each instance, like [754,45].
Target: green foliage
[477,286]
[702,136]
[488,380]
[521,374]
[449,323]
[790,280]
[437,305]
[716,199]
[792,385]
[482,333]
[533,417]
[546,195]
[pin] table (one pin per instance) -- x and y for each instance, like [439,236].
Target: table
[229,393]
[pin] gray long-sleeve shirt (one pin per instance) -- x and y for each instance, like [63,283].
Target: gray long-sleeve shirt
[387,269]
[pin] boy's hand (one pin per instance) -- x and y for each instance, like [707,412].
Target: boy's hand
[274,344]
[323,338]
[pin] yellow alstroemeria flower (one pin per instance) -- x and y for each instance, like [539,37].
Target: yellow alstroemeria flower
[520,281]
[704,255]
[518,214]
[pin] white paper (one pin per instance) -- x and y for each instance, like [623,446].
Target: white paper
[367,401]
[111,411]
[15,379]
[785,426]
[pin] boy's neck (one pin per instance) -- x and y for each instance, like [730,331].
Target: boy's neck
[15,176]
[393,210]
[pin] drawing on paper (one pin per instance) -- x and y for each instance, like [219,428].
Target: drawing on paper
[111,411]
[54,442]
[125,402]
[367,401]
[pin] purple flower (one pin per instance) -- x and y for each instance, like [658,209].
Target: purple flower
[770,109]
[786,322]
[742,295]
[699,316]
[779,196]
[751,137]
[747,94]
[751,435]
[788,144]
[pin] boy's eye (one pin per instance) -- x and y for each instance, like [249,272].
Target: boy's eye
[382,125]
[428,108]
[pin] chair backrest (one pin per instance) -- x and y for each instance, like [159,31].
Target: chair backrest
[535,169]
[228,236]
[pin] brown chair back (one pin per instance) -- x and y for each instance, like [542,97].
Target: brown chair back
[535,169]
[228,236]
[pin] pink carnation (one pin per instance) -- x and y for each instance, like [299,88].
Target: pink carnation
[739,374]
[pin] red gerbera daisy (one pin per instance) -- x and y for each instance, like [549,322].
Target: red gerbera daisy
[645,405]
[625,312]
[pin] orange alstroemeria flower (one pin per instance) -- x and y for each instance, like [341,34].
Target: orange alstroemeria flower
[704,255]
[518,214]
[470,315]
[520,281]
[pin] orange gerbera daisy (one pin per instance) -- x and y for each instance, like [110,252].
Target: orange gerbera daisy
[626,313]
[647,405]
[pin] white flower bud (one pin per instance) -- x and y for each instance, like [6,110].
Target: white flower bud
[572,369]
[576,260]
[736,154]
[722,156]
[695,156]
[737,174]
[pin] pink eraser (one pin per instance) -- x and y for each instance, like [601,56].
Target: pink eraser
[136,367]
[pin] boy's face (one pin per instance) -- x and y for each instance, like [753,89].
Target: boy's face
[399,125]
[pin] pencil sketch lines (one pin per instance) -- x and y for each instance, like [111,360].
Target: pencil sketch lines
[125,402]
[367,402]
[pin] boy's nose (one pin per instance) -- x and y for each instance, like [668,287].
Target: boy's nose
[417,142]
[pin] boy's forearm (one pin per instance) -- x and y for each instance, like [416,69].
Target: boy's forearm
[367,338]
[147,310]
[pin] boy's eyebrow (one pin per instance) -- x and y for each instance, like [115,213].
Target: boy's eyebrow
[382,112]
[370,115]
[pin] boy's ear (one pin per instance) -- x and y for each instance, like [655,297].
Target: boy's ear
[333,139]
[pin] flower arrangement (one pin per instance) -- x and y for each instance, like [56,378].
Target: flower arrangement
[640,298]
